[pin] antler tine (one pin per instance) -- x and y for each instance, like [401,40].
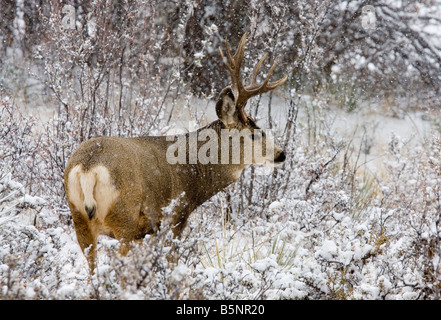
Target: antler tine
[233,67]
[255,89]
[277,83]
[236,60]
[241,93]
[257,68]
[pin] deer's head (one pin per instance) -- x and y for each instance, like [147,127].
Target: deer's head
[230,107]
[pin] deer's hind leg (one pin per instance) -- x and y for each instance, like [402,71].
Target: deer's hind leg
[126,222]
[86,236]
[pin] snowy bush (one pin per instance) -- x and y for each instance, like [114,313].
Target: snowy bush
[323,226]
[323,236]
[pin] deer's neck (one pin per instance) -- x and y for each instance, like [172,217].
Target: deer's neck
[201,181]
[190,183]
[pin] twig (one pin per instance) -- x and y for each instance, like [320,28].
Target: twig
[318,172]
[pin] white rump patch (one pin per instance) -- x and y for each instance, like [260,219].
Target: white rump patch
[91,188]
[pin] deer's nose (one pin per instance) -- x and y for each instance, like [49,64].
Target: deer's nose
[281,157]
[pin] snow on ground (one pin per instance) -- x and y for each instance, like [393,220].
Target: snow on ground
[334,243]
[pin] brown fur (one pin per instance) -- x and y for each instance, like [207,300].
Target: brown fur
[119,186]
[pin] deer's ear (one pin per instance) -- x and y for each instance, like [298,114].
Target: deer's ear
[226,108]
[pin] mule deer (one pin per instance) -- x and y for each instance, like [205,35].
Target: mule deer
[120,186]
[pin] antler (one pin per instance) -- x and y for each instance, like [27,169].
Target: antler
[241,93]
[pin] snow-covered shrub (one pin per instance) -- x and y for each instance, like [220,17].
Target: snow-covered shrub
[33,154]
[16,243]
[412,217]
[13,198]
[318,238]
[320,227]
[158,267]
[18,143]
